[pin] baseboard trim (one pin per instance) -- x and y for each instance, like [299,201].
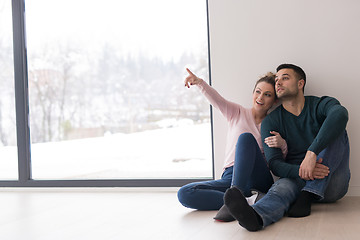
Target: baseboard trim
[354,191]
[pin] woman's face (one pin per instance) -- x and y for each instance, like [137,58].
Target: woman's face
[263,96]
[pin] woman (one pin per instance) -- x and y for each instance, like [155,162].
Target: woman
[244,165]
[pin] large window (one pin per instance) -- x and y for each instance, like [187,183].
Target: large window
[8,150]
[106,92]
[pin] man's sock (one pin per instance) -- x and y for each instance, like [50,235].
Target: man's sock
[302,206]
[241,211]
[224,215]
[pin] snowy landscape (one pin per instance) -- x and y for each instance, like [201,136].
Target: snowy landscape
[178,152]
[106,97]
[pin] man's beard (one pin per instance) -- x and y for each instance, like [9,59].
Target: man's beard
[286,94]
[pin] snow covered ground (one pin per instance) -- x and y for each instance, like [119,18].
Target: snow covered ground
[179,152]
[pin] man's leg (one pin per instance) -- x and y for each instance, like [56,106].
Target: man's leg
[338,184]
[271,208]
[239,208]
[332,187]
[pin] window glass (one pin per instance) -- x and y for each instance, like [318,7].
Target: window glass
[8,149]
[107,99]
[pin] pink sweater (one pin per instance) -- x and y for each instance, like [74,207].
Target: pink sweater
[240,120]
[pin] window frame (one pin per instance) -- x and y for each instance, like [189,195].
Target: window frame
[23,126]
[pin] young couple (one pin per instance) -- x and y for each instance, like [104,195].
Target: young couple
[303,141]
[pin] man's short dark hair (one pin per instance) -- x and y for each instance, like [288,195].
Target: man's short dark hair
[298,70]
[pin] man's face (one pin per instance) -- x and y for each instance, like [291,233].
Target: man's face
[287,83]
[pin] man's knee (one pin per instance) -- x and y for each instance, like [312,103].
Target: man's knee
[286,187]
[336,189]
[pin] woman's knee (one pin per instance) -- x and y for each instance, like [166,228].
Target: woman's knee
[200,196]
[246,137]
[184,194]
[245,141]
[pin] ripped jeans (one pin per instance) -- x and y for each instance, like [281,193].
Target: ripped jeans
[285,191]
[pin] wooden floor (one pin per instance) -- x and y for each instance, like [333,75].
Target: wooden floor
[81,214]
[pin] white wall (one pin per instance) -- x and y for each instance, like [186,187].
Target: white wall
[250,37]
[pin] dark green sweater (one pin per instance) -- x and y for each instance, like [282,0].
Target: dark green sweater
[321,121]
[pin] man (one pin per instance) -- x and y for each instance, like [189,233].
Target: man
[316,167]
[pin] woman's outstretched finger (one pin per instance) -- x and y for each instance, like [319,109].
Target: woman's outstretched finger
[190,72]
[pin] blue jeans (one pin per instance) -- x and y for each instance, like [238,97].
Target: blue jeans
[250,171]
[285,191]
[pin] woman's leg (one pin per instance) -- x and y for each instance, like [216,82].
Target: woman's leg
[250,168]
[208,195]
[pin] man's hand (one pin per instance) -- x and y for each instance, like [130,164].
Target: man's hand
[320,170]
[307,166]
